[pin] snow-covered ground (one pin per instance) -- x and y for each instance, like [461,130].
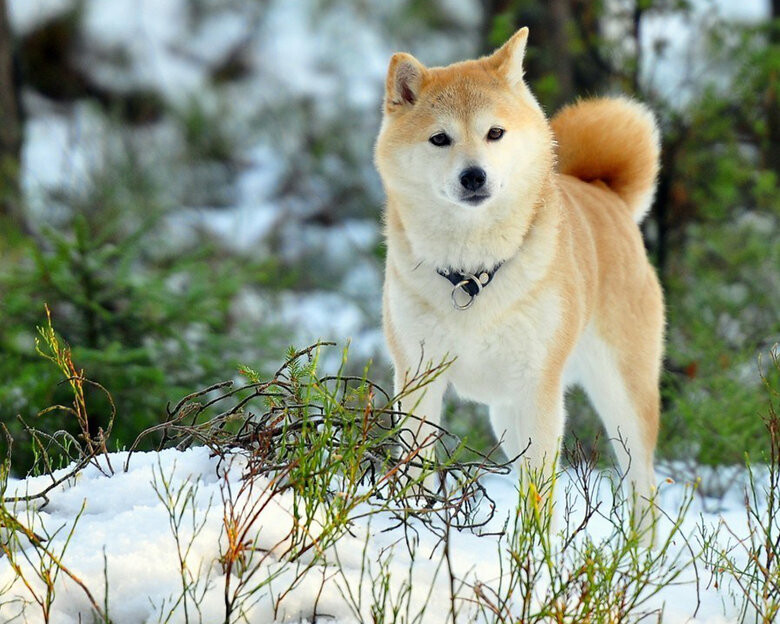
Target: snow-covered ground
[117,533]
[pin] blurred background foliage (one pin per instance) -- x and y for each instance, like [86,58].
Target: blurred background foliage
[189,186]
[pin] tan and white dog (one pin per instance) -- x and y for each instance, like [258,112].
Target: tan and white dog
[513,247]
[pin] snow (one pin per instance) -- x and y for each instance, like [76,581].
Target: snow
[683,62]
[123,539]
[61,151]
[321,315]
[26,15]
[147,32]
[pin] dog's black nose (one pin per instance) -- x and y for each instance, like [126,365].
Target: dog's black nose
[473,178]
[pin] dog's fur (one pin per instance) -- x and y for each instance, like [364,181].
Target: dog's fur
[576,300]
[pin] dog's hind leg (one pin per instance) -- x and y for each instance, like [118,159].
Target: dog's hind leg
[623,388]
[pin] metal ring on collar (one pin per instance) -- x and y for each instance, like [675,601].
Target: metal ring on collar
[460,285]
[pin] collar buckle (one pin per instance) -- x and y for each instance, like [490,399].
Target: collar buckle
[461,286]
[469,283]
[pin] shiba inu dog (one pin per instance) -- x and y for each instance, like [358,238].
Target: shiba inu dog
[513,249]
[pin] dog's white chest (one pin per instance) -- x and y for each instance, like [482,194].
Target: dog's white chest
[495,371]
[495,353]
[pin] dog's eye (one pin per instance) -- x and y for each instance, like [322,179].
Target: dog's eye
[440,139]
[494,134]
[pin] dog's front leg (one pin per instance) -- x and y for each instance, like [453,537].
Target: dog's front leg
[530,429]
[422,401]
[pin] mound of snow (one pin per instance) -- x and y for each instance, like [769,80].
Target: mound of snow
[129,531]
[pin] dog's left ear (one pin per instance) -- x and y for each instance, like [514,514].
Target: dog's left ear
[508,59]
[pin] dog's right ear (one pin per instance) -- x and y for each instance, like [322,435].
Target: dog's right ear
[404,81]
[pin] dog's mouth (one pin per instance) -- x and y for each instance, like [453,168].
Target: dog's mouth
[474,199]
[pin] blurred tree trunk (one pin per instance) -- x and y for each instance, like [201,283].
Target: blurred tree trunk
[773,97]
[559,33]
[10,123]
[491,9]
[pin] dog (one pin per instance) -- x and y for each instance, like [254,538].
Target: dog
[513,249]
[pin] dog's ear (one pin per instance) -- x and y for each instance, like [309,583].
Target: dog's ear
[404,81]
[508,59]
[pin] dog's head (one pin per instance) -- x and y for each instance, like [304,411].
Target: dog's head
[467,143]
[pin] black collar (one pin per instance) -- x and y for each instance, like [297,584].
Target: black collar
[470,283]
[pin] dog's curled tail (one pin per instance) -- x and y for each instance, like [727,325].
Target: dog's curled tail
[614,140]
